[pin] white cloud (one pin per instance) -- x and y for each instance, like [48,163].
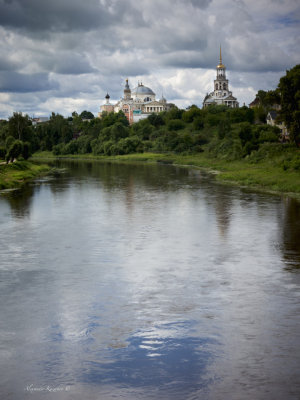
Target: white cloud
[79,51]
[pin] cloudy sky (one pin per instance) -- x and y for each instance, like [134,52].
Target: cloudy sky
[64,55]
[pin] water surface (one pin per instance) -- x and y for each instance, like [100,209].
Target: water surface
[147,282]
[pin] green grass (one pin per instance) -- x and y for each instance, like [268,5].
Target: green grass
[265,175]
[15,174]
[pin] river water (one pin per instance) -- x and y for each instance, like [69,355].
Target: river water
[147,282]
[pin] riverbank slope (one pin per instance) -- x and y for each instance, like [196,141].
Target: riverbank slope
[267,175]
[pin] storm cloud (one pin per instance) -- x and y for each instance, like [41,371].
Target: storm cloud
[11,81]
[72,52]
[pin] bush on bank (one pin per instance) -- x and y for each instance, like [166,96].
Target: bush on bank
[15,174]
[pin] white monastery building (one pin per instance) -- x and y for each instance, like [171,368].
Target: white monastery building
[221,93]
[136,104]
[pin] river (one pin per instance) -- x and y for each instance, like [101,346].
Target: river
[147,282]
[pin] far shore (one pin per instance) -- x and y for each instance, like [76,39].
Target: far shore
[263,176]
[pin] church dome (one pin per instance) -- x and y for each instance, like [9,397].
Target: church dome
[144,90]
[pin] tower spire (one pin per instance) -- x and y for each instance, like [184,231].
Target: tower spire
[220,60]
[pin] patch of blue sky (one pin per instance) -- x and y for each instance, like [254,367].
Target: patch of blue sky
[288,20]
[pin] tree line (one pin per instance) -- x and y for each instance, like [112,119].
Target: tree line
[219,130]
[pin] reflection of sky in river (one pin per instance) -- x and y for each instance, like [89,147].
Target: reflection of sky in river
[163,358]
[156,359]
[147,283]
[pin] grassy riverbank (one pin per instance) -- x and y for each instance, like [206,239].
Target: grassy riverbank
[267,175]
[15,174]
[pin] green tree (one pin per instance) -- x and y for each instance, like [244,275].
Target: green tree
[2,152]
[261,94]
[260,114]
[3,131]
[175,124]
[224,127]
[198,122]
[26,150]
[242,114]
[289,87]
[119,131]
[59,129]
[174,113]
[192,113]
[245,133]
[14,151]
[93,128]
[108,119]
[84,144]
[272,97]
[156,120]
[18,126]
[87,115]
[9,141]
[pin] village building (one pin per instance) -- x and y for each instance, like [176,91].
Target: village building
[221,93]
[39,120]
[255,103]
[272,120]
[136,104]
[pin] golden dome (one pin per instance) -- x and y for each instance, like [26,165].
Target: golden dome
[221,66]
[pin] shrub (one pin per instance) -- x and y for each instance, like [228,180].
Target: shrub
[107,147]
[175,124]
[295,163]
[156,120]
[119,131]
[223,127]
[212,119]
[71,147]
[245,133]
[198,122]
[58,149]
[193,113]
[97,147]
[2,152]
[267,133]
[14,151]
[132,144]
[84,144]
[249,147]
[199,139]
[9,141]
[242,114]
[26,151]
[174,113]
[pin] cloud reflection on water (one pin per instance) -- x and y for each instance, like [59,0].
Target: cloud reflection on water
[144,282]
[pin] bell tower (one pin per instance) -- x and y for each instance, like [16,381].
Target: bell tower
[221,93]
[127,91]
[221,83]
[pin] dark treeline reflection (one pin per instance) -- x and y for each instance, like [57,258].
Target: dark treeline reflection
[20,201]
[118,176]
[291,234]
[127,178]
